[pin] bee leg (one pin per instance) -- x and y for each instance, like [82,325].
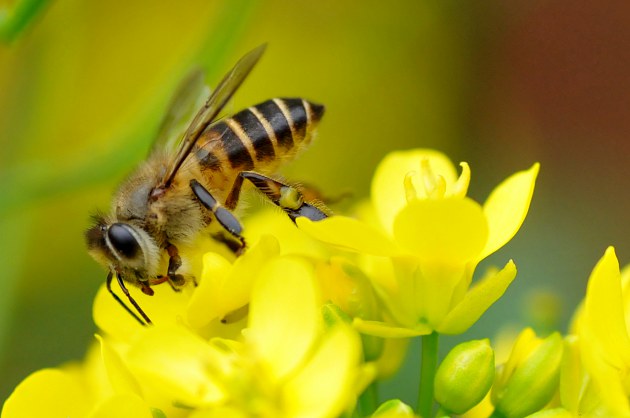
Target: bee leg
[287,197]
[222,215]
[131,299]
[233,245]
[174,262]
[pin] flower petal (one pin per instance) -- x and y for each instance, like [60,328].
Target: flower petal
[218,412]
[224,288]
[385,330]
[177,364]
[388,190]
[507,206]
[284,303]
[604,342]
[270,221]
[122,406]
[206,303]
[603,312]
[478,299]
[47,393]
[325,385]
[349,234]
[120,378]
[448,230]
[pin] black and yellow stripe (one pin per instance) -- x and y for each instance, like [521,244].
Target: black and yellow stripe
[258,135]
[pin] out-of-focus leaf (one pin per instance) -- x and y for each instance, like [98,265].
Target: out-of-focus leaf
[13,22]
[33,181]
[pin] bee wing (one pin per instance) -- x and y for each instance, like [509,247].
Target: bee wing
[190,96]
[210,110]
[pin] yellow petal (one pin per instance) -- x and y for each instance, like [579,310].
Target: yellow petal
[177,364]
[447,230]
[385,330]
[206,303]
[603,312]
[392,357]
[388,190]
[604,342]
[122,406]
[571,376]
[478,299]
[218,412]
[47,393]
[349,234]
[324,387]
[270,221]
[507,206]
[284,303]
[120,378]
[238,287]
[225,288]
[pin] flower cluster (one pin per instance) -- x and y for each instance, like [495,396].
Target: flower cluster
[309,319]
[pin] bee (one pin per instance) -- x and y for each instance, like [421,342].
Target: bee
[192,184]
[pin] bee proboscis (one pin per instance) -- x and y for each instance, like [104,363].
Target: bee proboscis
[193,186]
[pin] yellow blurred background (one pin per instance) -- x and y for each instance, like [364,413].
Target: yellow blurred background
[499,85]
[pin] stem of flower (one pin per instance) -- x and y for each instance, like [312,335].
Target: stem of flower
[427,373]
[368,401]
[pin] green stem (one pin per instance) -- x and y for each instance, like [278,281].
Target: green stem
[368,401]
[427,373]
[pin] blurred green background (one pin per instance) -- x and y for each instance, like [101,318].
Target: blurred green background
[500,85]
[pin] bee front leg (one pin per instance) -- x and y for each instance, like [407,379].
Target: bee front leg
[227,220]
[287,197]
[174,263]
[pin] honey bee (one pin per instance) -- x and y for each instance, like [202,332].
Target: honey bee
[193,186]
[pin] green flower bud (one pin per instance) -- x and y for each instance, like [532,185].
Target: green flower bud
[393,408]
[465,376]
[529,379]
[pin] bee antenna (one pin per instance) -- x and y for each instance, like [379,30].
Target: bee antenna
[131,299]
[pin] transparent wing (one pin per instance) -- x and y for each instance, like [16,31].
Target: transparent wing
[210,110]
[190,96]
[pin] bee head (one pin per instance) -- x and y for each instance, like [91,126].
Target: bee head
[124,248]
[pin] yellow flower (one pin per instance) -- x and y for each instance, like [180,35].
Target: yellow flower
[423,238]
[602,332]
[74,391]
[287,366]
[213,307]
[579,395]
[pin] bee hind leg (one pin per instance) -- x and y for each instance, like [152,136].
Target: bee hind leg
[227,220]
[287,197]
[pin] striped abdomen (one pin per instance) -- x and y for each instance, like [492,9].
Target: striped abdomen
[259,137]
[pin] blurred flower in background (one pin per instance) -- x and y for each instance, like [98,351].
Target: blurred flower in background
[83,87]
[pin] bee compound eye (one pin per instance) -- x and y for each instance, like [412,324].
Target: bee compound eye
[123,240]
